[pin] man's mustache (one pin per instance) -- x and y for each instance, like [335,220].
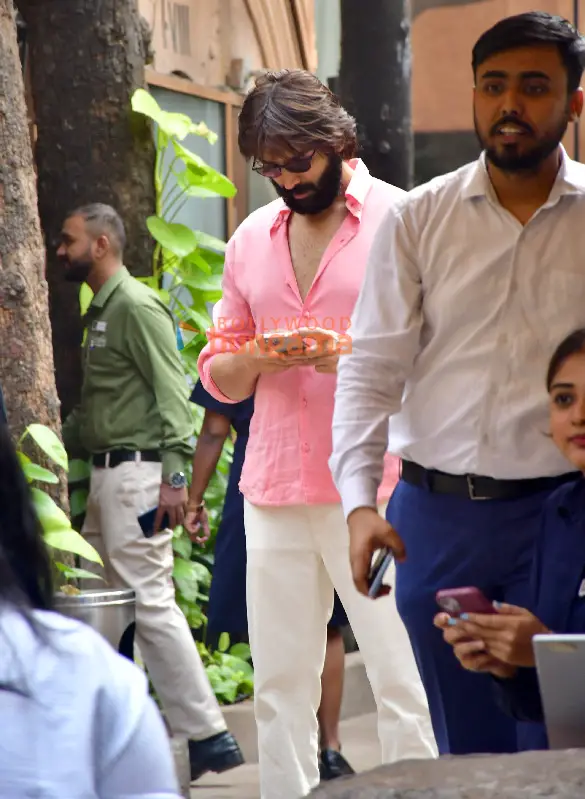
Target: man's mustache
[510,121]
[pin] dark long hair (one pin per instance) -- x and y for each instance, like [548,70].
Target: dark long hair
[25,568]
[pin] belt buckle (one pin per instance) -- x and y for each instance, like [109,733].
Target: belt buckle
[471,488]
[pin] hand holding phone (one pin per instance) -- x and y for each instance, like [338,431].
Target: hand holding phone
[469,599]
[377,572]
[146,522]
[284,342]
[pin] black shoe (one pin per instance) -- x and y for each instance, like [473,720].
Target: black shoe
[218,753]
[332,765]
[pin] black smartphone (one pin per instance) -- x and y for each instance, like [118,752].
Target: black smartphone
[146,522]
[377,572]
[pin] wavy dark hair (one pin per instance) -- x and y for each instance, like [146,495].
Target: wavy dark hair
[291,111]
[25,568]
[573,344]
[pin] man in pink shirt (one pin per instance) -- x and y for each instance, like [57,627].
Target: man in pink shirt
[295,266]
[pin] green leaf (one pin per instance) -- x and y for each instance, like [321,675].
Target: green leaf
[49,443]
[50,514]
[73,573]
[196,259]
[85,298]
[224,642]
[71,541]
[78,471]
[171,124]
[210,283]
[183,546]
[185,579]
[177,238]
[33,471]
[241,651]
[209,242]
[78,501]
[144,103]
[199,173]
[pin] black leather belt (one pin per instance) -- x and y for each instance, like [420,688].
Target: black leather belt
[477,487]
[118,456]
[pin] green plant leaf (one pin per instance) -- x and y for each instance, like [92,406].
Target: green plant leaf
[85,298]
[196,260]
[33,471]
[144,103]
[78,501]
[209,242]
[50,514]
[78,471]
[224,642]
[49,443]
[183,546]
[71,541]
[177,238]
[199,173]
[185,579]
[73,573]
[241,651]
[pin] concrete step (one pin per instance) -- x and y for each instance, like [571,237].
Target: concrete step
[357,701]
[360,747]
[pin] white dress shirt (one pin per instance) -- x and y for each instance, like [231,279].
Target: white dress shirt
[459,313]
[76,720]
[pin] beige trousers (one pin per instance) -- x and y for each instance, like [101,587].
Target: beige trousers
[296,555]
[117,497]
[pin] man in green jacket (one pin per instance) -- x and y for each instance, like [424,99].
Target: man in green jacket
[135,423]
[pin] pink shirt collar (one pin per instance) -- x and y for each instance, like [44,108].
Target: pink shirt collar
[355,194]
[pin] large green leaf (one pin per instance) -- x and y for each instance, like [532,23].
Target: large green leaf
[73,573]
[78,471]
[210,242]
[51,517]
[194,259]
[33,471]
[49,442]
[190,189]
[177,238]
[71,541]
[78,501]
[199,173]
[185,577]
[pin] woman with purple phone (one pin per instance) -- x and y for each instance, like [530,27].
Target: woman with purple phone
[500,643]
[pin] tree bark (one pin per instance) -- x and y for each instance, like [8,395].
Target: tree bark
[26,357]
[87,57]
[374,85]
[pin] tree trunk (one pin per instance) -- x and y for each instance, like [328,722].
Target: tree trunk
[374,85]
[26,357]
[87,57]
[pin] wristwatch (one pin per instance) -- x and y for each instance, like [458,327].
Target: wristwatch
[177,480]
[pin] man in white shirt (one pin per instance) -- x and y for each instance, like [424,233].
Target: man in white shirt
[472,281]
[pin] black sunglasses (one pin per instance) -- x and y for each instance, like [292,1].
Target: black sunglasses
[295,165]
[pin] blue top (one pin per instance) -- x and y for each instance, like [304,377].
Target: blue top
[79,722]
[558,572]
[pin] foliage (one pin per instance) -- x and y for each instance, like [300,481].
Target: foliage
[59,535]
[187,270]
[229,670]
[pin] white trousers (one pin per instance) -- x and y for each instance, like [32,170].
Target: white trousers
[296,555]
[117,497]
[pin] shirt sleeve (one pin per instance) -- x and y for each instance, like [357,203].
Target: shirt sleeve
[234,326]
[132,750]
[152,346]
[385,337]
[200,396]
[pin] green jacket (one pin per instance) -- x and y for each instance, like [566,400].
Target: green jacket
[134,394]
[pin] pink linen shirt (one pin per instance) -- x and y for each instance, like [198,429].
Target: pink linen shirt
[290,433]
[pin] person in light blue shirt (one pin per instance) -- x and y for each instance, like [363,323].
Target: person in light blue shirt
[76,718]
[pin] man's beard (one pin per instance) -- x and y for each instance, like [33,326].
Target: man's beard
[76,271]
[323,193]
[509,159]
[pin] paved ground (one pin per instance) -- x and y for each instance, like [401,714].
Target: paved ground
[360,746]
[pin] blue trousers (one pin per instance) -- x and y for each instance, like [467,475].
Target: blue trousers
[454,542]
